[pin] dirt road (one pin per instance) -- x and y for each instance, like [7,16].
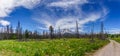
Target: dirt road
[112,49]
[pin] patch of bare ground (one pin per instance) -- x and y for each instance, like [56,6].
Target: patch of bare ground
[112,49]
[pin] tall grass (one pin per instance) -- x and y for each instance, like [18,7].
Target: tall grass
[58,47]
[117,39]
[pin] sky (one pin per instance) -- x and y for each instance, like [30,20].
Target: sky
[40,14]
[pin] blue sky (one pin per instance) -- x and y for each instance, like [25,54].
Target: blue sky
[40,14]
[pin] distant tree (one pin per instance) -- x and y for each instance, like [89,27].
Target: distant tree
[4,33]
[59,33]
[11,29]
[55,34]
[19,31]
[8,29]
[35,34]
[1,33]
[44,35]
[77,30]
[102,31]
[26,34]
[51,29]
[7,32]
[11,32]
[30,35]
[92,33]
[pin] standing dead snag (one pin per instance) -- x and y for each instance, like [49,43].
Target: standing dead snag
[92,33]
[11,29]
[77,30]
[102,31]
[7,32]
[26,34]
[19,31]
[43,35]
[35,34]
[51,29]
[59,33]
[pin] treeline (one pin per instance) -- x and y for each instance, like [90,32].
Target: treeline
[9,33]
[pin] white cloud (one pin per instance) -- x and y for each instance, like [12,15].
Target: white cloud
[42,28]
[4,22]
[28,3]
[64,23]
[7,6]
[113,31]
[44,21]
[91,18]
[47,23]
[70,22]
[67,3]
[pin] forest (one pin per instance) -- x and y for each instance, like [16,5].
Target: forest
[18,42]
[23,35]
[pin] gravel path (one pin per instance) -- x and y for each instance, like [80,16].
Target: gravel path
[112,49]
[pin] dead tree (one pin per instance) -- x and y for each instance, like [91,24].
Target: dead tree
[92,33]
[77,30]
[27,34]
[11,29]
[43,35]
[102,31]
[46,34]
[35,34]
[51,29]
[7,32]
[19,31]
[59,33]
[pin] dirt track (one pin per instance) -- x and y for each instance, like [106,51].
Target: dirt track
[112,49]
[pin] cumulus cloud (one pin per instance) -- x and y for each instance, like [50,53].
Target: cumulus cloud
[28,3]
[70,22]
[7,6]
[74,8]
[113,31]
[4,22]
[67,3]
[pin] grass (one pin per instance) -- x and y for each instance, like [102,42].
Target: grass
[117,39]
[57,47]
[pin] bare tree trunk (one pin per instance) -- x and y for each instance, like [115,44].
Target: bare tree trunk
[102,31]
[51,29]
[92,33]
[77,30]
[59,33]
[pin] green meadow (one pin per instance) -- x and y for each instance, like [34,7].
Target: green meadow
[47,47]
[117,39]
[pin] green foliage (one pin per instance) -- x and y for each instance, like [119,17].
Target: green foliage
[13,36]
[57,47]
[26,34]
[37,53]
[117,39]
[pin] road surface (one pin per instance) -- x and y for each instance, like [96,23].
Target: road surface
[112,49]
